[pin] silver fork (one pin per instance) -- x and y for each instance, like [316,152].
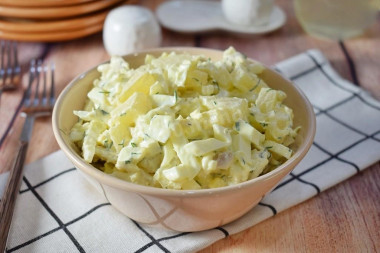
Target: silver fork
[39,100]
[10,70]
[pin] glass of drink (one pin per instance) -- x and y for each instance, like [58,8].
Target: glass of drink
[336,19]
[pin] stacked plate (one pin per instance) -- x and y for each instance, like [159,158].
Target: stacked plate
[53,20]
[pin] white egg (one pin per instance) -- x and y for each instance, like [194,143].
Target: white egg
[247,12]
[129,28]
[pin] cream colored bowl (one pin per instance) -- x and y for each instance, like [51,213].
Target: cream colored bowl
[181,210]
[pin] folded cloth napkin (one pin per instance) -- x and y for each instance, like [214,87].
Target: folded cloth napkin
[58,211]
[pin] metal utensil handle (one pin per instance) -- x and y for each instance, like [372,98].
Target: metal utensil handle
[10,195]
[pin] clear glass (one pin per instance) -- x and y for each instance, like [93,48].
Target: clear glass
[336,19]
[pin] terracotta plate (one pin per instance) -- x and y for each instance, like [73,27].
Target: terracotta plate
[55,12]
[41,3]
[52,36]
[32,26]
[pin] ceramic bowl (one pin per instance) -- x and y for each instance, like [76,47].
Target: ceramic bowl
[181,210]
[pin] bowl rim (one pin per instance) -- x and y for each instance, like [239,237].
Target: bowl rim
[115,182]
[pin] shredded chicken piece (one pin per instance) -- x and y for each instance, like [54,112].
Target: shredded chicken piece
[224,160]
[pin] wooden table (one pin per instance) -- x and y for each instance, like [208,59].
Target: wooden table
[345,218]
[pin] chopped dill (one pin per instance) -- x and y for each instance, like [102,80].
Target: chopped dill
[175,96]
[104,112]
[232,67]
[121,143]
[257,84]
[107,145]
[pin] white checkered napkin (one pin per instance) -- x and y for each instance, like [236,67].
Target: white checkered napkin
[58,211]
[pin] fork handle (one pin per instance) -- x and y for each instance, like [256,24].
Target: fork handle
[9,197]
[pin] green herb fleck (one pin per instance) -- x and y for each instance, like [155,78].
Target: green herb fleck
[121,144]
[104,112]
[257,84]
[214,102]
[123,114]
[134,153]
[237,126]
[243,161]
[264,151]
[127,162]
[196,79]
[133,144]
[232,67]
[107,145]
[175,96]
[263,124]
[104,92]
[269,89]
[217,85]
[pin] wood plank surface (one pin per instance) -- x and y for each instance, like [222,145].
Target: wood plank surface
[345,218]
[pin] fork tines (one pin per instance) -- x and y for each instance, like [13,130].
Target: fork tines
[10,70]
[40,93]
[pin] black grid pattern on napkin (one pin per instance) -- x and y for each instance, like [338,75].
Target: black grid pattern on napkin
[317,67]
[320,68]
[64,226]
